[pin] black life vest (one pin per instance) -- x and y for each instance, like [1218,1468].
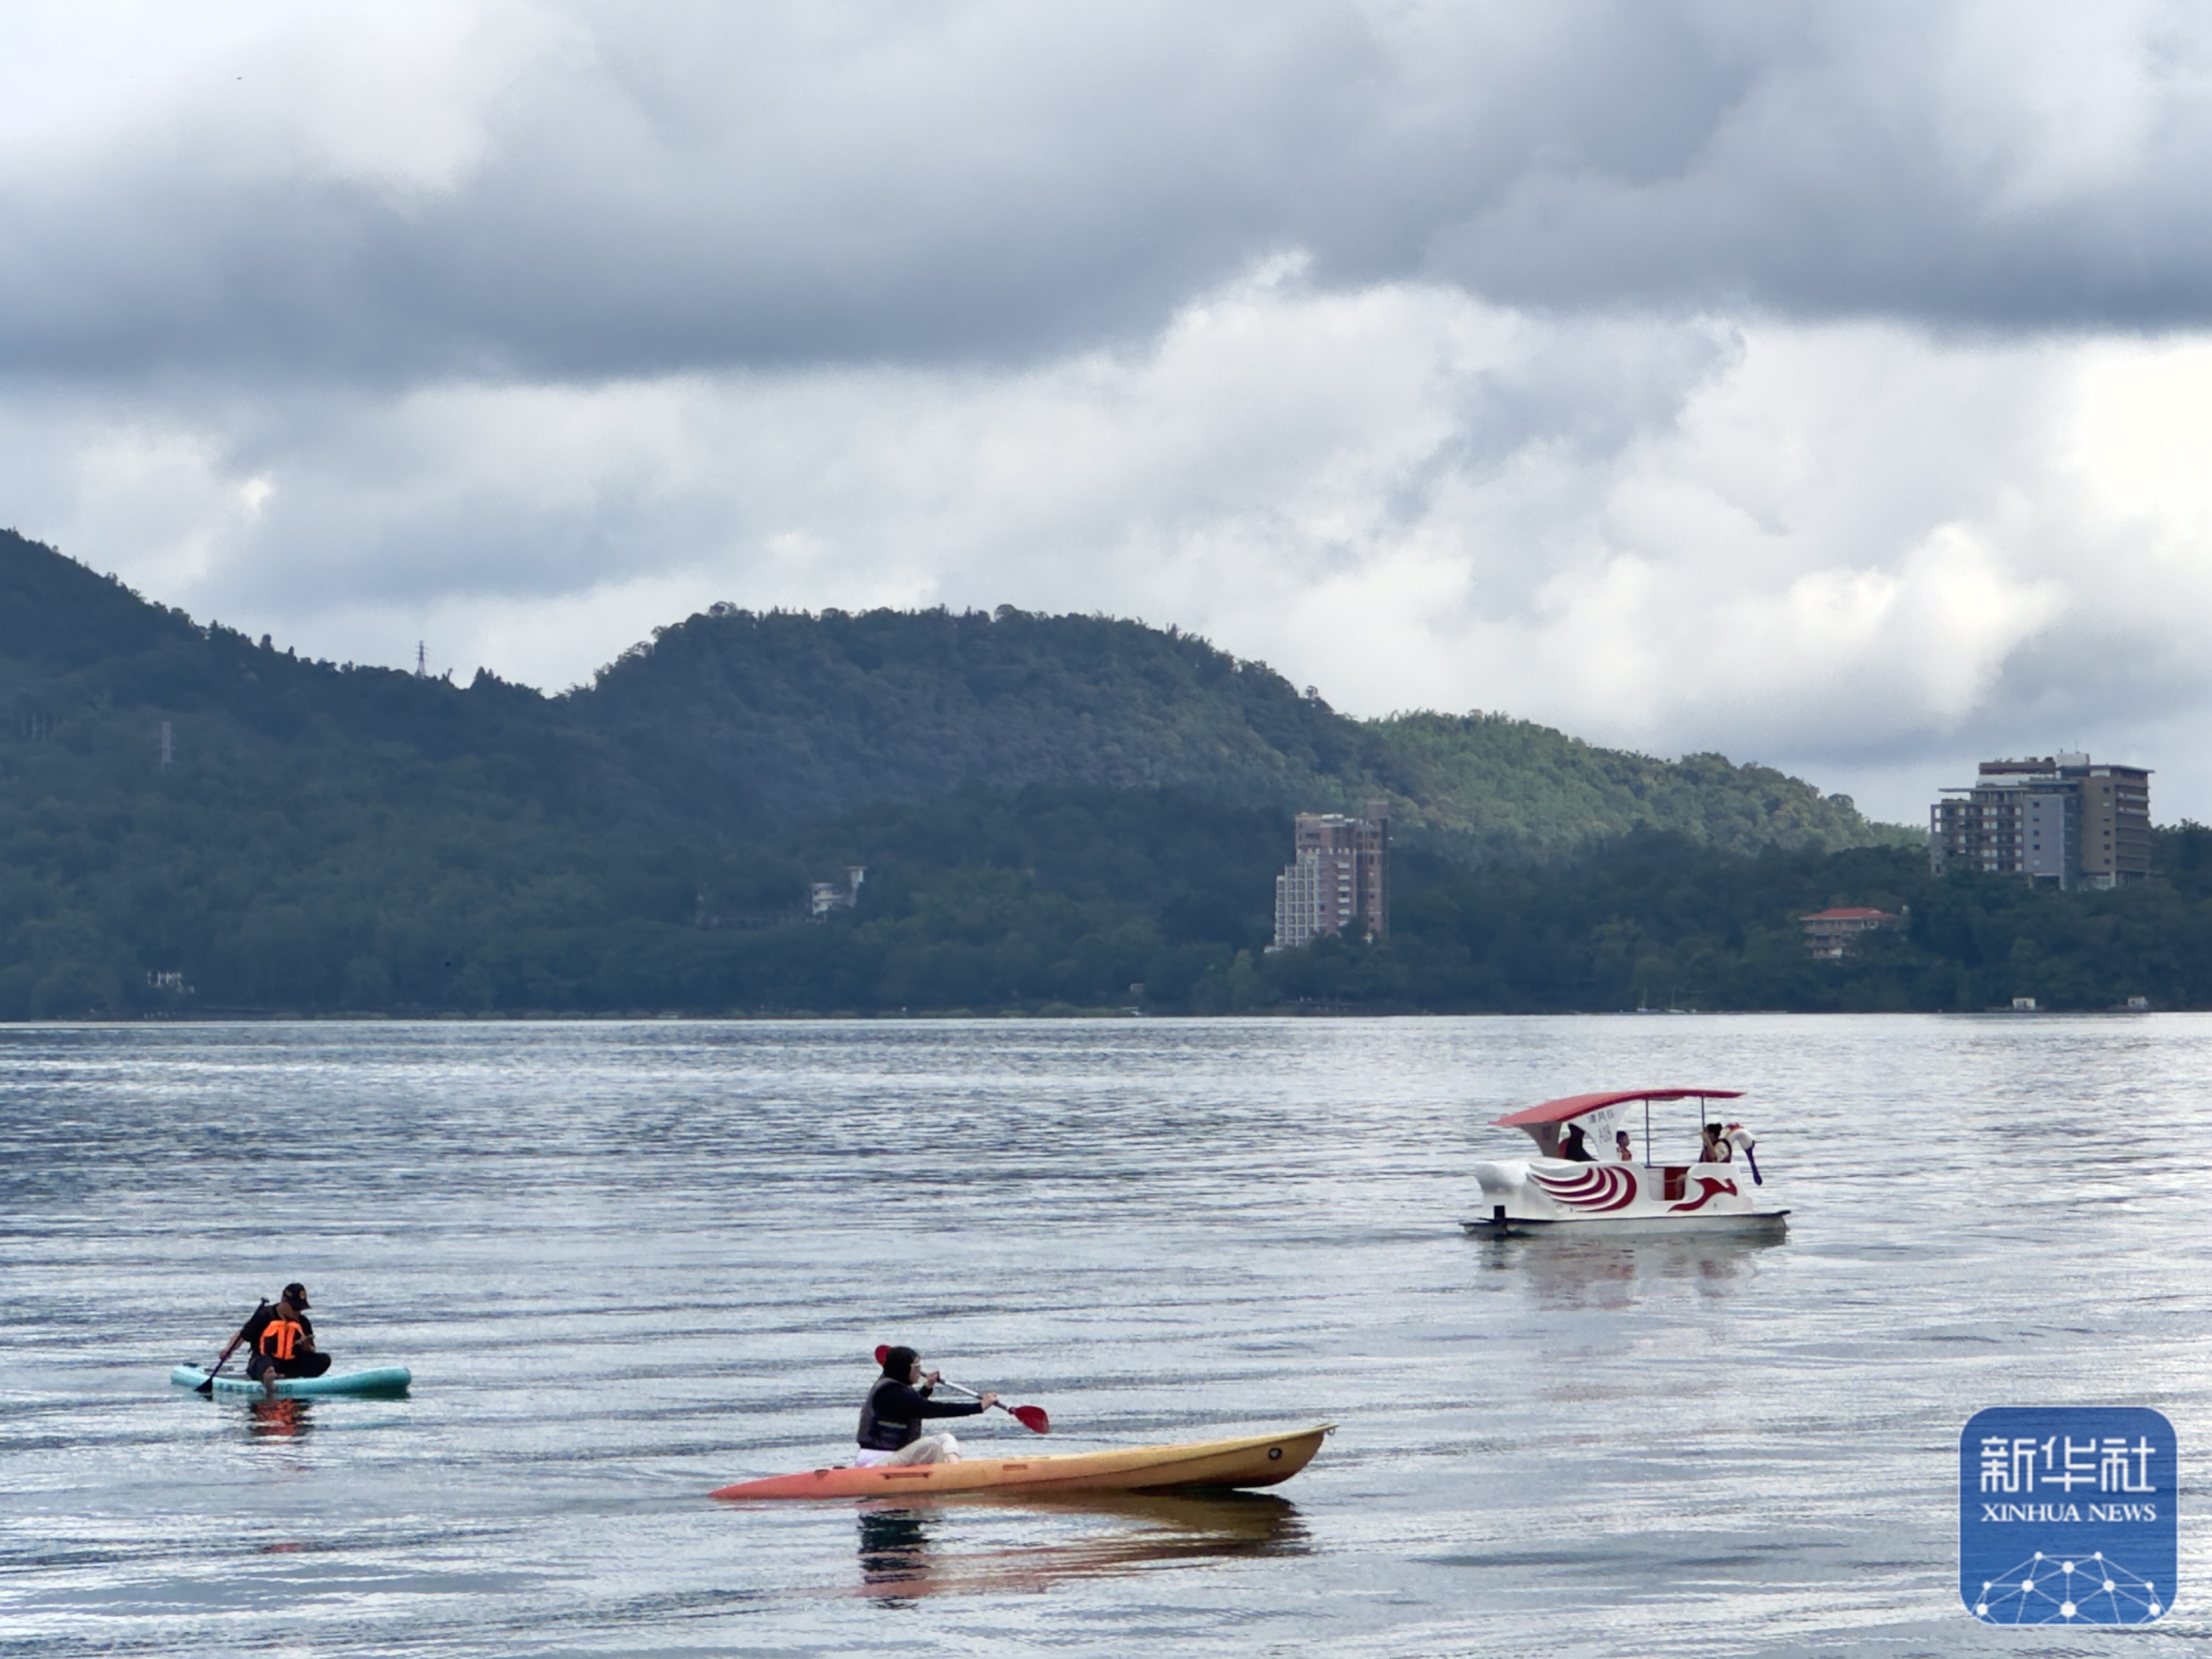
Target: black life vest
[885,1433]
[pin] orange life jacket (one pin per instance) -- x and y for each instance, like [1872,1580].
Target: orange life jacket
[281,1339]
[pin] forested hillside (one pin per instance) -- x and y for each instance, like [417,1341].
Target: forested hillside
[1055,812]
[800,715]
[731,720]
[1654,920]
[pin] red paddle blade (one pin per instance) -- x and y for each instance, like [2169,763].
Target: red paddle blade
[1032,1418]
[882,1349]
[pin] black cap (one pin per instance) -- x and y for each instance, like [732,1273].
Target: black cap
[297,1294]
[899,1362]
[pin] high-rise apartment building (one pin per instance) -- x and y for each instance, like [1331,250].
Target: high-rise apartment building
[1338,880]
[2060,819]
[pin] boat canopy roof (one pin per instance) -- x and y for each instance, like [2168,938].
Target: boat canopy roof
[1558,1111]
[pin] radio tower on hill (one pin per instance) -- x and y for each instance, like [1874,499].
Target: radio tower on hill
[422,662]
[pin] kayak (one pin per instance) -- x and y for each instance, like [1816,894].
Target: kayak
[1259,1461]
[385,1381]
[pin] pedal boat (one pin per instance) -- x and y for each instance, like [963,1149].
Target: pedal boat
[1550,1194]
[1265,1460]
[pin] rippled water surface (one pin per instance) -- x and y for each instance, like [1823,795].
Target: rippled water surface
[628,1263]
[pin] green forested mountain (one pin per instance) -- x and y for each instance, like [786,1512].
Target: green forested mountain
[798,715]
[1497,789]
[791,715]
[1654,919]
[1055,812]
[737,721]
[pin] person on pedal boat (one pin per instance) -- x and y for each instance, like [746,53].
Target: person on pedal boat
[281,1341]
[892,1416]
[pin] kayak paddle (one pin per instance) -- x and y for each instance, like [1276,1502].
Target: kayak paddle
[1032,1418]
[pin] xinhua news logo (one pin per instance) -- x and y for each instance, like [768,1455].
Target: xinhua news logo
[2067,1515]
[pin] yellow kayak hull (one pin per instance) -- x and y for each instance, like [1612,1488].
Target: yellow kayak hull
[1262,1460]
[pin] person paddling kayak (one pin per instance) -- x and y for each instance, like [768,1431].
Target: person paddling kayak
[892,1415]
[280,1340]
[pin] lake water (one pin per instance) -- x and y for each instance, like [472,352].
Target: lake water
[631,1263]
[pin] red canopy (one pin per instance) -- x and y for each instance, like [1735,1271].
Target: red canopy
[1558,1111]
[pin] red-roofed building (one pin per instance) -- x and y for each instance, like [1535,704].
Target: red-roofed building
[1832,933]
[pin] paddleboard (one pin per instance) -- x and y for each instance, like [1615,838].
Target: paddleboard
[385,1382]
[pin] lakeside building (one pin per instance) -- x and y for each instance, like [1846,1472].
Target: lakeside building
[823,896]
[1338,880]
[1831,935]
[2061,819]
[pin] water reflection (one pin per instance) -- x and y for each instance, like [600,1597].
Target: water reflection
[1621,1273]
[899,1560]
[279,1419]
[894,1547]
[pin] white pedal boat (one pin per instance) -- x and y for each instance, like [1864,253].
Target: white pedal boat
[1605,1193]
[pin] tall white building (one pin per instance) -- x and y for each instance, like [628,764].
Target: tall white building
[1339,877]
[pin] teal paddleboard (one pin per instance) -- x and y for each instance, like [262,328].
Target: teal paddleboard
[385,1382]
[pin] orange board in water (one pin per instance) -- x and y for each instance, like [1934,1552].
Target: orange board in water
[1258,1461]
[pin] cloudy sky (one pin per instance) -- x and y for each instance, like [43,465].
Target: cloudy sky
[1830,385]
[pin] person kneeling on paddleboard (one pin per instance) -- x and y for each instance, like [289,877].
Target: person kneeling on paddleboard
[281,1341]
[892,1416]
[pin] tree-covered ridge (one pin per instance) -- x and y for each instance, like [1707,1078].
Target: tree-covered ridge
[799,715]
[733,719]
[1509,787]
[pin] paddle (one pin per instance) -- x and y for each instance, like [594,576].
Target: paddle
[223,1359]
[1032,1418]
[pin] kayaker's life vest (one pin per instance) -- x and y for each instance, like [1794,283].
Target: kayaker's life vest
[883,1433]
[281,1339]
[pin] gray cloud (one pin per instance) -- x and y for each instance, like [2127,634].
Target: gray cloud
[637,190]
[1821,384]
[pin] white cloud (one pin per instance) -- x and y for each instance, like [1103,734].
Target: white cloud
[399,95]
[1856,550]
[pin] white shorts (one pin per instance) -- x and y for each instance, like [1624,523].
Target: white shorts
[930,1448]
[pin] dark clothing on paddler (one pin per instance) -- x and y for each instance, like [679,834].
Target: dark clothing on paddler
[287,1354]
[892,1418]
[301,1365]
[250,1333]
[1574,1146]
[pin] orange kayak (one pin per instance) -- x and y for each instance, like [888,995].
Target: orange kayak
[1258,1460]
